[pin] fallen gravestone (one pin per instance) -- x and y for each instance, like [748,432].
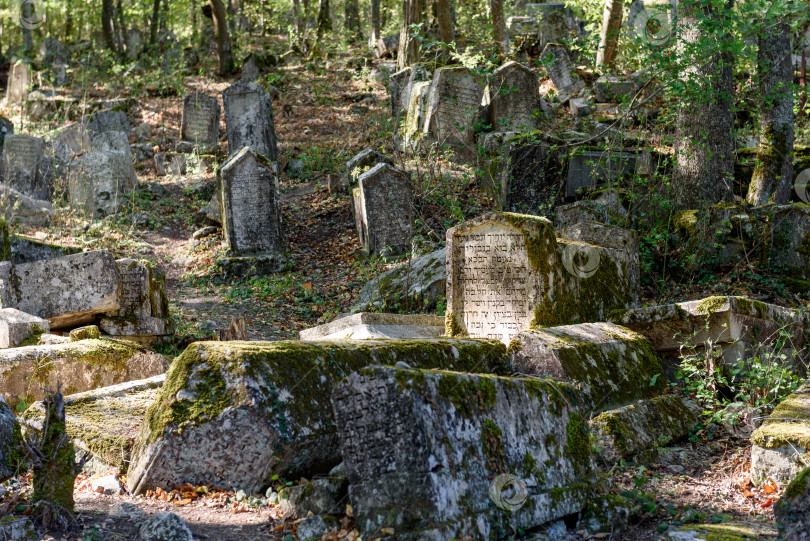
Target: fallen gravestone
[25,372]
[454,107]
[144,313]
[249,119]
[560,68]
[23,169]
[276,396]
[67,291]
[427,452]
[514,98]
[251,216]
[740,328]
[99,182]
[374,326]
[12,456]
[199,129]
[418,284]
[508,272]
[614,89]
[383,209]
[103,422]
[17,327]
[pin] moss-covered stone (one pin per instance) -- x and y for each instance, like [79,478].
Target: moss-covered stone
[277,394]
[605,513]
[12,458]
[725,532]
[85,333]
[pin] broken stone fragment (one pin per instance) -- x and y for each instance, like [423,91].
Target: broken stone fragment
[731,531]
[372,325]
[76,366]
[67,291]
[84,333]
[427,452]
[165,527]
[17,328]
[639,426]
[237,413]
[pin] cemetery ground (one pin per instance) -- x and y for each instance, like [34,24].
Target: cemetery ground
[324,114]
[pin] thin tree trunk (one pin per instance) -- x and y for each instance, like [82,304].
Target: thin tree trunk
[224,51]
[68,28]
[107,23]
[374,35]
[121,27]
[408,51]
[153,24]
[704,149]
[305,6]
[298,17]
[609,37]
[351,10]
[324,18]
[773,173]
[444,17]
[499,25]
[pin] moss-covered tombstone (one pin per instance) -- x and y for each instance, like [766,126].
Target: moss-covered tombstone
[237,413]
[509,272]
[76,366]
[442,455]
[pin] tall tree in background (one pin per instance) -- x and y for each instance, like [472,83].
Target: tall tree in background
[324,18]
[609,36]
[704,147]
[374,35]
[153,23]
[444,16]
[224,50]
[773,173]
[28,42]
[408,51]
[351,11]
[499,25]
[107,24]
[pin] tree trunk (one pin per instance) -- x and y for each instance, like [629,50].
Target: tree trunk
[773,174]
[704,149]
[118,25]
[305,6]
[324,18]
[107,24]
[408,51]
[609,37]
[374,35]
[352,19]
[445,19]
[68,28]
[153,24]
[298,17]
[224,51]
[499,25]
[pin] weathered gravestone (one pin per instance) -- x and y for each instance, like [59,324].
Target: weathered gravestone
[386,46]
[615,89]
[416,113]
[529,175]
[276,396]
[454,106]
[251,216]
[134,43]
[250,70]
[23,167]
[508,272]
[100,181]
[553,28]
[111,141]
[589,168]
[200,125]
[427,452]
[383,209]
[396,85]
[71,141]
[373,326]
[144,313]
[67,291]
[514,98]
[362,162]
[18,208]
[16,327]
[19,80]
[108,120]
[560,68]
[53,51]
[6,128]
[410,76]
[170,163]
[249,119]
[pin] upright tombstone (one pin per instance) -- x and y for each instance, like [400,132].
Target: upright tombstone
[514,98]
[71,141]
[134,43]
[454,106]
[560,68]
[251,216]
[508,272]
[22,167]
[383,209]
[363,161]
[396,85]
[108,120]
[249,119]
[200,124]
[19,80]
[99,182]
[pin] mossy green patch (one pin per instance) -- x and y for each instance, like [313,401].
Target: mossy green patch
[492,441]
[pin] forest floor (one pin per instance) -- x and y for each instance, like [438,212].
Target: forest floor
[323,116]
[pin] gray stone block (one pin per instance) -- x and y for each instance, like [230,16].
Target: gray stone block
[16,327]
[373,325]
